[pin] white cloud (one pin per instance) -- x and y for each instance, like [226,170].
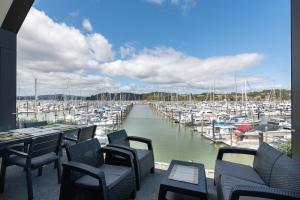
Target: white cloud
[168,67]
[54,52]
[46,45]
[86,24]
[127,50]
[75,13]
[159,2]
[184,5]
[61,56]
[61,82]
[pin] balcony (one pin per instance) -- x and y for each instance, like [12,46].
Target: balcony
[45,187]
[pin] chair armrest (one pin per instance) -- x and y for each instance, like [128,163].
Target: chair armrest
[16,152]
[263,192]
[120,146]
[136,166]
[69,138]
[67,182]
[142,140]
[85,169]
[112,151]
[235,150]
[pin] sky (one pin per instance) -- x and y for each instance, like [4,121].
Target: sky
[85,47]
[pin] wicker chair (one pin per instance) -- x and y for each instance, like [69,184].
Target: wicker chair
[42,151]
[273,175]
[143,158]
[34,124]
[80,135]
[88,175]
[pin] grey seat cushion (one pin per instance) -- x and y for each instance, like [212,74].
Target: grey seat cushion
[236,170]
[142,153]
[264,161]
[35,162]
[113,175]
[286,174]
[93,183]
[228,182]
[115,169]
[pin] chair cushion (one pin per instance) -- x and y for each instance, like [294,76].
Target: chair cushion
[236,170]
[115,169]
[35,162]
[286,174]
[113,175]
[93,183]
[228,182]
[142,153]
[264,161]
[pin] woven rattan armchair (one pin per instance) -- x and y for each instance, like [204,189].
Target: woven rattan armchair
[79,135]
[90,175]
[273,175]
[41,151]
[143,158]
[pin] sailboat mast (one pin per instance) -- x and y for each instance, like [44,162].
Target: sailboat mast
[35,94]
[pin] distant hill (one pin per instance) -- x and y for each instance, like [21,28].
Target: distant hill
[59,97]
[164,96]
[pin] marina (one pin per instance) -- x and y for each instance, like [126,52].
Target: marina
[191,131]
[224,122]
[108,116]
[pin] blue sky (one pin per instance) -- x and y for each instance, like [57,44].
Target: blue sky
[197,32]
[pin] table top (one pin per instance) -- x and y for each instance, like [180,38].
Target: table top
[8,138]
[201,187]
[18,136]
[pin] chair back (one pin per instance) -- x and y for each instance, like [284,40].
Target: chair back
[45,144]
[118,137]
[34,124]
[264,160]
[86,133]
[286,174]
[87,152]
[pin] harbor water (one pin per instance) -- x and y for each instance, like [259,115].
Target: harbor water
[173,141]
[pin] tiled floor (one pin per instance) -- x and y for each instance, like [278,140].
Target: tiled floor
[46,187]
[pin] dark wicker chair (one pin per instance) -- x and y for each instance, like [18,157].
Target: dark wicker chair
[80,135]
[42,151]
[88,175]
[34,124]
[18,147]
[273,175]
[143,158]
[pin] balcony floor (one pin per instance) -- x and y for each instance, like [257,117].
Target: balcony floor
[45,187]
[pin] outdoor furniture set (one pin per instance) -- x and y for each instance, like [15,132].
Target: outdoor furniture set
[116,171]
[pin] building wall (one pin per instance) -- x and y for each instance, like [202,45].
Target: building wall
[7,79]
[295,6]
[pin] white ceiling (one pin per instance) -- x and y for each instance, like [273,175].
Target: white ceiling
[4,7]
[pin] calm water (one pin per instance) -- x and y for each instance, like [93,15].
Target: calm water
[170,140]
